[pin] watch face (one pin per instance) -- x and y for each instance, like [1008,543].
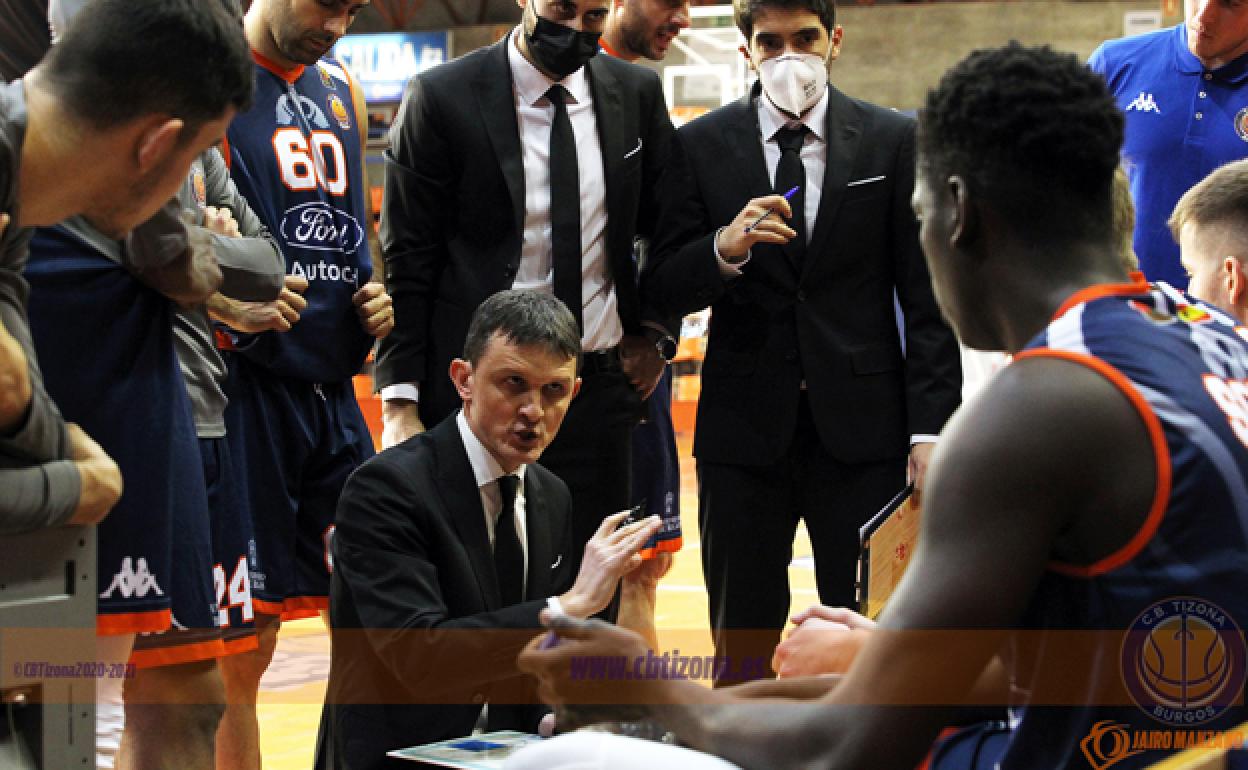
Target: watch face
[666,347]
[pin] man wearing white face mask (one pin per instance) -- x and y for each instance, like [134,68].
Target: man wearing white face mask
[812,402]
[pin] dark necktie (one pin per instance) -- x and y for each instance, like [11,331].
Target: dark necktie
[508,555]
[791,173]
[565,207]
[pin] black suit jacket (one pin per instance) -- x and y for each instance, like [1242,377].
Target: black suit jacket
[831,323]
[453,213]
[420,640]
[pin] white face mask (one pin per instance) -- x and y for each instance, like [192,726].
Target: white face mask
[794,81]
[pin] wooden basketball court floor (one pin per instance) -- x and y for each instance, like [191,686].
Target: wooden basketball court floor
[292,690]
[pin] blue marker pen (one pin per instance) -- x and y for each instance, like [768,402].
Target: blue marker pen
[788,196]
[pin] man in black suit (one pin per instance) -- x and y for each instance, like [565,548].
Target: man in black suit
[449,544]
[810,399]
[492,185]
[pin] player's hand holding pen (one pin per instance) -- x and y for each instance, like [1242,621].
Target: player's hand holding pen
[763,220]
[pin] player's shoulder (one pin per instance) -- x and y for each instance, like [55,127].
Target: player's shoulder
[333,69]
[1114,54]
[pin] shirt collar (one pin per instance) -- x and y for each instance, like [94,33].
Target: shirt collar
[485,469]
[1186,62]
[531,85]
[771,119]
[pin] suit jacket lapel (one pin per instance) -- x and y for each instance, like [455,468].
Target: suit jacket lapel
[742,135]
[496,102]
[604,88]
[462,499]
[537,527]
[844,134]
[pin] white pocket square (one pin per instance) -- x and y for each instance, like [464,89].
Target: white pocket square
[635,150]
[868,180]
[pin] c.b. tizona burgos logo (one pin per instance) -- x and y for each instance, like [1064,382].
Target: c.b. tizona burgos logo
[1183,661]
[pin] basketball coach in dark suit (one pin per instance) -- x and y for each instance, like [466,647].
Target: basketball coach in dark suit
[448,545]
[532,163]
[810,401]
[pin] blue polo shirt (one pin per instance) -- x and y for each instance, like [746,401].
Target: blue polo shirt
[1183,121]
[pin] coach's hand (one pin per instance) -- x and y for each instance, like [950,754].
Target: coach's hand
[641,362]
[375,308]
[734,242]
[400,420]
[609,554]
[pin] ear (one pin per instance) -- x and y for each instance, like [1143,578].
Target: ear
[834,46]
[745,51]
[576,387]
[461,377]
[963,230]
[1236,281]
[157,141]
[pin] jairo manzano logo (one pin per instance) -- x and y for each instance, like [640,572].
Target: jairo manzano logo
[1183,661]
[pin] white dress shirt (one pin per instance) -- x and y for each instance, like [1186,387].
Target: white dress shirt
[535,116]
[814,149]
[487,471]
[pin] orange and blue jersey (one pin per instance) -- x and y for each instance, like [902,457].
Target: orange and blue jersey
[1145,646]
[296,156]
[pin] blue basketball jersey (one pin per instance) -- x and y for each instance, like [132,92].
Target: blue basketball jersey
[1141,652]
[105,342]
[296,157]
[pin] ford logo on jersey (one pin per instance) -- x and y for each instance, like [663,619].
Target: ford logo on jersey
[320,227]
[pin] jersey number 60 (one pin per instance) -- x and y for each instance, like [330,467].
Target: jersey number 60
[308,162]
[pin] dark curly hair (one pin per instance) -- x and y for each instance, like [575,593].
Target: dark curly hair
[1033,131]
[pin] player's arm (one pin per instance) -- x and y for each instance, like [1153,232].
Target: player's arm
[418,204]
[172,258]
[1008,481]
[15,388]
[1049,443]
[78,490]
[252,265]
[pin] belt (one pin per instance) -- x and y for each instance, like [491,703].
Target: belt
[600,361]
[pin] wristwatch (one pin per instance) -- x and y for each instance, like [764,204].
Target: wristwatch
[666,345]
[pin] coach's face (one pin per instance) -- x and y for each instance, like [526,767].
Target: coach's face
[306,30]
[1217,30]
[515,398]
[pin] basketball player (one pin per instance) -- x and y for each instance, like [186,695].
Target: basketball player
[1210,224]
[293,423]
[1097,484]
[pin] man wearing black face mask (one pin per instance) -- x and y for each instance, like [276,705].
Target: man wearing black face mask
[532,163]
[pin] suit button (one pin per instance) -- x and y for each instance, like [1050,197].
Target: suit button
[801,296]
[790,356]
[478,698]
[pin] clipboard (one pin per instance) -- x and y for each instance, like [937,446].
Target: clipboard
[885,548]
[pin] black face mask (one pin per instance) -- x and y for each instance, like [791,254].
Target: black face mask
[555,48]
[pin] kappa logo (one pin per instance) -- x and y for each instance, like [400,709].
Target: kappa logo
[1143,103]
[309,109]
[133,580]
